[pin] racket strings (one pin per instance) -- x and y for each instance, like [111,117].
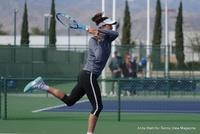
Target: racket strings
[68,22]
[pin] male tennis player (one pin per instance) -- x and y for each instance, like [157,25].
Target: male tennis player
[99,52]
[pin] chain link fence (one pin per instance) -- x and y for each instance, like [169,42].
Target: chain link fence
[23,62]
[175,97]
[135,99]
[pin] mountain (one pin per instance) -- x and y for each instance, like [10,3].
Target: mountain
[83,10]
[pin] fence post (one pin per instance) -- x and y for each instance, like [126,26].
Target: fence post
[119,101]
[168,86]
[5,98]
[31,62]
[1,87]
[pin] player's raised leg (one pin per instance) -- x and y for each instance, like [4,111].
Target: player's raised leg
[38,84]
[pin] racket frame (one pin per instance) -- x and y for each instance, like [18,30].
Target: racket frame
[79,26]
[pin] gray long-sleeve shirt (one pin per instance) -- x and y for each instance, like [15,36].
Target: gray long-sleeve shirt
[99,51]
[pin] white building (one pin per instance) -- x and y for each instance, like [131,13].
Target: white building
[189,36]
[77,43]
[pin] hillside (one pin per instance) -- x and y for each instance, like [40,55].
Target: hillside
[84,9]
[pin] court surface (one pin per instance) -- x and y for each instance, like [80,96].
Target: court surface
[132,106]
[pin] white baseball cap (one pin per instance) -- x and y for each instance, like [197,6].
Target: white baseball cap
[107,21]
[134,55]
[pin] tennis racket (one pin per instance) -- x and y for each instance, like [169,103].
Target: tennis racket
[69,22]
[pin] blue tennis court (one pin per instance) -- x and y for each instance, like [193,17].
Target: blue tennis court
[132,106]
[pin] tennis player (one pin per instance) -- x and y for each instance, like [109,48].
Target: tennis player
[99,52]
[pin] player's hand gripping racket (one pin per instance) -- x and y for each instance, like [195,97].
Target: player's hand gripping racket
[69,22]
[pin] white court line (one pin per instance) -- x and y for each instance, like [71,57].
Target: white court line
[161,111]
[43,109]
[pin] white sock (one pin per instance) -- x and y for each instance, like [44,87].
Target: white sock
[43,87]
[89,133]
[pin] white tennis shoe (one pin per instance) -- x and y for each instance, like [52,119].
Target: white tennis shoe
[34,85]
